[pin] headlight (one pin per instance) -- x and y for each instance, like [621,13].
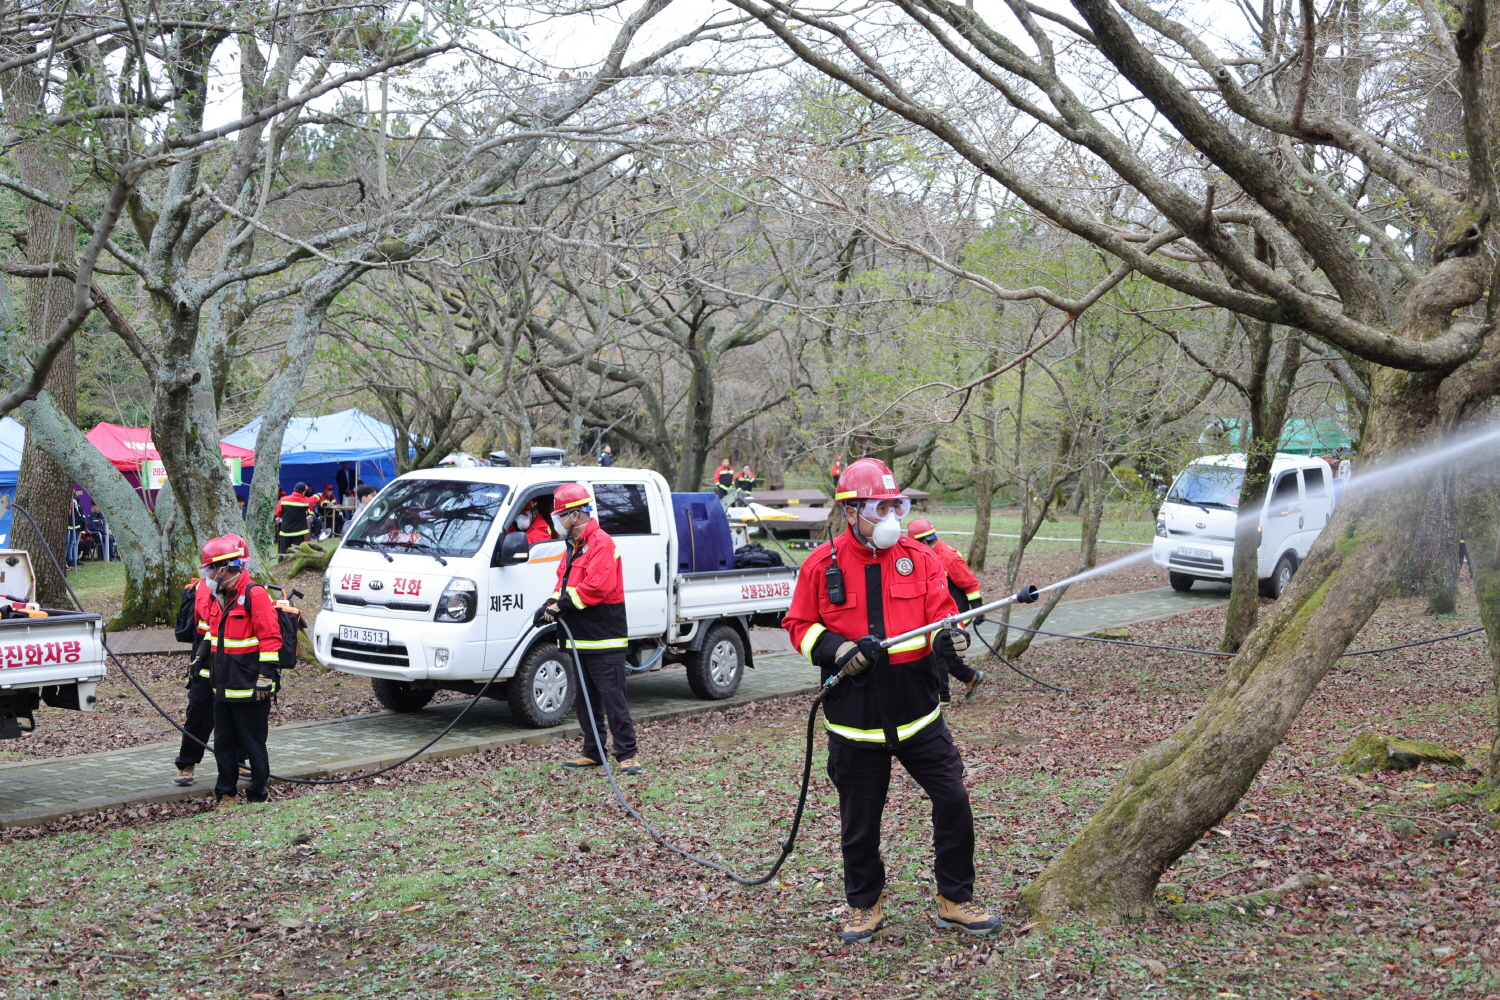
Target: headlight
[459,601]
[327,593]
[1161,528]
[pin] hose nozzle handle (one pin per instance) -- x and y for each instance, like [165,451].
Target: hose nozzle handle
[1028,594]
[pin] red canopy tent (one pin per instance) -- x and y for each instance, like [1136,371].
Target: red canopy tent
[128,447]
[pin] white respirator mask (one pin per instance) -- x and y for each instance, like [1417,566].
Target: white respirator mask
[887,531]
[523,521]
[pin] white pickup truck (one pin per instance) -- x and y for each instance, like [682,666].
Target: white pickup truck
[434,587]
[57,660]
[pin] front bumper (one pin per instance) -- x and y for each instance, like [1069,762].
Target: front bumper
[1217,565]
[413,652]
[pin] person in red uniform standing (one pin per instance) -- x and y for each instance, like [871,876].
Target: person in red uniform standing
[835,470]
[963,586]
[192,626]
[590,598]
[243,647]
[294,510]
[868,583]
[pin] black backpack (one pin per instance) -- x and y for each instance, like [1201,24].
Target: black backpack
[291,623]
[755,556]
[187,615]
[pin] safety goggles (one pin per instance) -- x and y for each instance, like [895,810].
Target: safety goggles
[877,510]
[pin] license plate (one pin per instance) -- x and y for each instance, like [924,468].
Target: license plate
[368,636]
[1183,550]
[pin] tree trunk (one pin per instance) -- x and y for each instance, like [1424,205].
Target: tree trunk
[1088,550]
[1177,791]
[1244,592]
[1478,499]
[151,585]
[699,422]
[1432,569]
[44,489]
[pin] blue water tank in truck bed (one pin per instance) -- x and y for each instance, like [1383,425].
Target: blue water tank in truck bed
[704,542]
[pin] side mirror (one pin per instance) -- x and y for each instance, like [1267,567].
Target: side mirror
[1161,491]
[514,548]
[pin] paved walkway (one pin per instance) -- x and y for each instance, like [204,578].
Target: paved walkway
[36,792]
[146,640]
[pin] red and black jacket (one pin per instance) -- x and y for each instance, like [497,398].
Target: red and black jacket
[886,593]
[962,583]
[244,642]
[293,511]
[593,595]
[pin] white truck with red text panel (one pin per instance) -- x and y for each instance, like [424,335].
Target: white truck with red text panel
[434,587]
[46,656]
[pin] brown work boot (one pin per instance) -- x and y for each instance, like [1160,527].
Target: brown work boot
[580,762]
[223,802]
[632,765]
[968,915]
[185,775]
[864,921]
[973,685]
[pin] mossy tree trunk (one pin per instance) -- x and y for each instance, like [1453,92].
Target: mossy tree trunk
[1478,495]
[1177,791]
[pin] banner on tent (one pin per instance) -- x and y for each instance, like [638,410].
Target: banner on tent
[154,472]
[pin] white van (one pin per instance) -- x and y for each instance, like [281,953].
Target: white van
[433,588]
[1195,526]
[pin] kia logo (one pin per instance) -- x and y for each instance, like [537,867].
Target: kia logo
[377,585]
[1200,524]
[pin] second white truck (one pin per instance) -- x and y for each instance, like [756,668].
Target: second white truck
[434,587]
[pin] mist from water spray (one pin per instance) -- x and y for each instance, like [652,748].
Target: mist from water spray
[1108,567]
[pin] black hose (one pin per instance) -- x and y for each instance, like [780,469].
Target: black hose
[787,846]
[282,778]
[1002,659]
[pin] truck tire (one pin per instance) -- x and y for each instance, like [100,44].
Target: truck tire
[542,691]
[401,696]
[1180,581]
[1281,577]
[715,671]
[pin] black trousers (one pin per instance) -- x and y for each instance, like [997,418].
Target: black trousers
[604,678]
[862,774]
[199,721]
[240,733]
[958,668]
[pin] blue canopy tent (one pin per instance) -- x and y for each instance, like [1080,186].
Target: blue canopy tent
[313,448]
[12,443]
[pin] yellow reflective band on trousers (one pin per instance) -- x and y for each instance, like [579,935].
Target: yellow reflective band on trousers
[920,642]
[810,640]
[294,534]
[878,735]
[600,643]
[239,693]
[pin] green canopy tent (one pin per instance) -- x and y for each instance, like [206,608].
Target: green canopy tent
[1301,436]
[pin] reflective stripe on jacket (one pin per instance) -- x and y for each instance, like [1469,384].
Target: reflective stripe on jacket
[293,511]
[593,597]
[886,593]
[244,641]
[960,576]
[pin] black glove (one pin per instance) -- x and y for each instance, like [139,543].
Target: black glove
[546,614]
[978,620]
[951,643]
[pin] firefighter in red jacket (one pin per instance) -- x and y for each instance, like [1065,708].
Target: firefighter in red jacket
[533,524]
[883,584]
[590,598]
[963,587]
[294,510]
[199,722]
[242,649]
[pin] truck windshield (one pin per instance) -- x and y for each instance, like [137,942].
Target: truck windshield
[429,516]
[1208,486]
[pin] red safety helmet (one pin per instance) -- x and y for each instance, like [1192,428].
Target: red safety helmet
[867,479]
[921,529]
[570,495]
[226,550]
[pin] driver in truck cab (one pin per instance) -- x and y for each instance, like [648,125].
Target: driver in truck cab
[590,599]
[531,521]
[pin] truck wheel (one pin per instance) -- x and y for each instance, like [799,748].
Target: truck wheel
[1281,577]
[401,696]
[1180,581]
[714,672]
[542,691]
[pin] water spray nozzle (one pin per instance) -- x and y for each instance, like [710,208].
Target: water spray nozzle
[1028,594]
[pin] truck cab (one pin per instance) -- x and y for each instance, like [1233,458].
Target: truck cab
[1196,523]
[435,585]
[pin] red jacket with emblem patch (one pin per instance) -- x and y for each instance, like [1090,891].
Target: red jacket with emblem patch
[591,591]
[244,642]
[887,592]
